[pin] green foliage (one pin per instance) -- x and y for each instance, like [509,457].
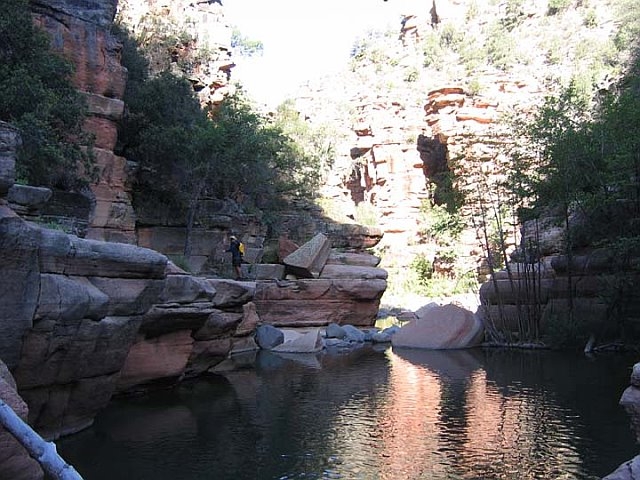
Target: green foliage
[441,43]
[432,51]
[472,54]
[366,214]
[38,97]
[474,87]
[311,148]
[555,6]
[553,47]
[450,37]
[244,45]
[501,47]
[163,41]
[628,13]
[473,11]
[562,331]
[371,50]
[569,167]
[445,192]
[332,208]
[514,14]
[421,278]
[131,57]
[185,153]
[162,115]
[423,267]
[412,75]
[584,166]
[590,18]
[441,225]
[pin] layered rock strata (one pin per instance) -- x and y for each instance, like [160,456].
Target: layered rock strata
[82,320]
[529,298]
[81,31]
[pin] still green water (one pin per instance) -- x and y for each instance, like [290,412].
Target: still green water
[373,414]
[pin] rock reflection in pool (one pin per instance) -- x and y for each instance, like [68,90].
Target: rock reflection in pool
[372,414]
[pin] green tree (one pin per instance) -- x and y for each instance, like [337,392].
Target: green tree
[245,46]
[586,167]
[186,153]
[38,97]
[313,146]
[167,133]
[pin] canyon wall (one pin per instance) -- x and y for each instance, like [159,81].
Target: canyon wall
[82,320]
[81,31]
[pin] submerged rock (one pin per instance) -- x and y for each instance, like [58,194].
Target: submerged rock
[268,337]
[296,342]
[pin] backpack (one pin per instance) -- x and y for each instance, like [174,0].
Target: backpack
[241,248]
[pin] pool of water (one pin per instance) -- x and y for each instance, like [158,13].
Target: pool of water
[373,414]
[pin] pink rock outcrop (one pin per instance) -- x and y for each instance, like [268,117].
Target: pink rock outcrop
[160,358]
[86,319]
[308,260]
[307,302]
[441,327]
[81,31]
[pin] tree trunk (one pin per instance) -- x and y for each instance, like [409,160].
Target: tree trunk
[43,452]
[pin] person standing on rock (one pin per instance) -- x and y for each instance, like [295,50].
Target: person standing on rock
[235,247]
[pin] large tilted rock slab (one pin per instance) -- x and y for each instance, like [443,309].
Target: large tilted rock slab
[319,302]
[441,327]
[300,342]
[310,258]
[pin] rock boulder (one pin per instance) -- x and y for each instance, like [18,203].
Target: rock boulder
[310,258]
[441,327]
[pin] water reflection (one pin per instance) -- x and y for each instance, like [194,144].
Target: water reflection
[401,414]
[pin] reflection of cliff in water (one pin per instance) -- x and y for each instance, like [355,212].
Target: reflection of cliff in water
[389,414]
[316,410]
[535,407]
[574,384]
